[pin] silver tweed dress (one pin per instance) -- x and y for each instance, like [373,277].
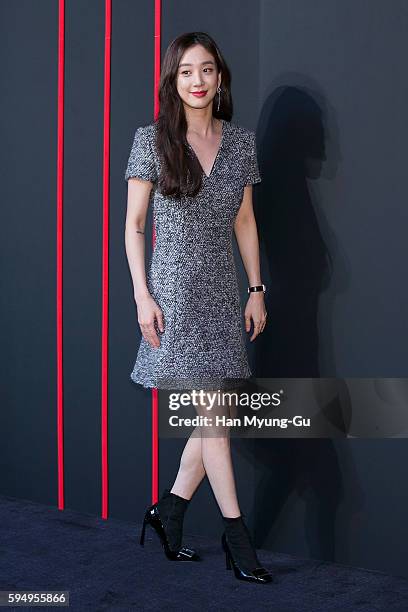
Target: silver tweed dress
[192,274]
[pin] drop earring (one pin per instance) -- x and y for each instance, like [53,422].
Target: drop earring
[219,97]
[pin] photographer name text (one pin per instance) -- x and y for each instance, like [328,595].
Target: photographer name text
[246,421]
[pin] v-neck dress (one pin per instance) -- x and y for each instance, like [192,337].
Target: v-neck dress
[192,273]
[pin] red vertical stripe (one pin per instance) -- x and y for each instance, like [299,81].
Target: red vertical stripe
[60,177]
[157,44]
[105,260]
[105,256]
[155,399]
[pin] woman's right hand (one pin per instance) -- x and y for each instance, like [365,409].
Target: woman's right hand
[147,313]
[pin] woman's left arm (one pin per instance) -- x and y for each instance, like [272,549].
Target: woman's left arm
[246,233]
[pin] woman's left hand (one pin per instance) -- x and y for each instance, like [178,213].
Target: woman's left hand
[255,310]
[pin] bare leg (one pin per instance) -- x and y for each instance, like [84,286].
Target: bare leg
[208,451]
[191,471]
[217,462]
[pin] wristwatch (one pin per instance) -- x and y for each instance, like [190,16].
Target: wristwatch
[257,288]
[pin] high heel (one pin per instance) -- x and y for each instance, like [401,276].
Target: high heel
[240,554]
[142,535]
[166,518]
[227,558]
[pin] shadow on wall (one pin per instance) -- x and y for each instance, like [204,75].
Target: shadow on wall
[301,258]
[297,246]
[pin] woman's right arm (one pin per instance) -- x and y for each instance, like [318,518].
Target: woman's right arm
[147,309]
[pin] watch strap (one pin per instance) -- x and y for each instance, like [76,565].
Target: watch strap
[256,288]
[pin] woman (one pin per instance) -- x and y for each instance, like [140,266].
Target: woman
[198,169]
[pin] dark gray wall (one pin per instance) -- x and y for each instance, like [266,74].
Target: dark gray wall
[323,84]
[27,241]
[332,213]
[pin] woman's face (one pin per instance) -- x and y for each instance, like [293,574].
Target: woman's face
[197,71]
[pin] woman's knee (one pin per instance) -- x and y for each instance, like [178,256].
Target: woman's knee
[216,437]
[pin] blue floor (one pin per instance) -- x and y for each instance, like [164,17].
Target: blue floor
[103,567]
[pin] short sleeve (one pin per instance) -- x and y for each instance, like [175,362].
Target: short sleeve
[252,169]
[141,159]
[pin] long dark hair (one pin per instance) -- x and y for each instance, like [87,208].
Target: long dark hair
[181,173]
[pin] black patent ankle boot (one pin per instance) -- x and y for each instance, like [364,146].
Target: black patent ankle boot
[240,553]
[166,518]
